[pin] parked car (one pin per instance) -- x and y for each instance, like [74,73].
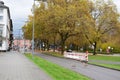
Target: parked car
[69,50]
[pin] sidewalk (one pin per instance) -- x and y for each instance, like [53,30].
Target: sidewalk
[15,66]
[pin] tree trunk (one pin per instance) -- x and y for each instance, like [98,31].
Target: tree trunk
[47,42]
[95,47]
[62,46]
[63,39]
[54,45]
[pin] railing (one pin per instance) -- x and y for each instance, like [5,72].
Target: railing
[77,56]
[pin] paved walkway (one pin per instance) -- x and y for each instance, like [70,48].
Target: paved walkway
[15,66]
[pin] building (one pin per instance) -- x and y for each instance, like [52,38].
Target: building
[19,44]
[6,28]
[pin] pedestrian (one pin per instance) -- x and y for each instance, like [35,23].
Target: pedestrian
[107,50]
[86,56]
[85,61]
[100,50]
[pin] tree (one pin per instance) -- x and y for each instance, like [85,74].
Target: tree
[104,21]
[27,28]
[61,17]
[67,16]
[64,20]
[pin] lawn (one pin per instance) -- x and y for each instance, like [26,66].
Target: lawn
[55,71]
[106,58]
[57,54]
[112,66]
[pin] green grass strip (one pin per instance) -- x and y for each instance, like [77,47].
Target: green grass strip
[113,66]
[106,58]
[55,71]
[57,54]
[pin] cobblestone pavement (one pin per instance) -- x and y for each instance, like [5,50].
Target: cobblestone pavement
[15,66]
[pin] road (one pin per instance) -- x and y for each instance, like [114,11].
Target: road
[94,72]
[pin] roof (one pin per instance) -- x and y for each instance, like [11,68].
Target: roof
[4,6]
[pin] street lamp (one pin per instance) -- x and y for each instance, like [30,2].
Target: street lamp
[33,27]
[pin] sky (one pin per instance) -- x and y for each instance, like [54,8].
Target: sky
[20,9]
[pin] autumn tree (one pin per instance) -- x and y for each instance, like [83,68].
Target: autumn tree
[61,18]
[27,28]
[64,20]
[104,21]
[66,17]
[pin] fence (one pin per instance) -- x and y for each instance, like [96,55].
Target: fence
[77,56]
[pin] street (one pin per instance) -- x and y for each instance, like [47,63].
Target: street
[94,72]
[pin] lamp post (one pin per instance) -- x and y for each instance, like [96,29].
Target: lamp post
[33,26]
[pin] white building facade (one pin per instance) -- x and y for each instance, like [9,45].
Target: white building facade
[6,28]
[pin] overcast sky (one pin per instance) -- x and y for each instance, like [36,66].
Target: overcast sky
[20,9]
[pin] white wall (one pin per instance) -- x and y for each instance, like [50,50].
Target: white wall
[6,31]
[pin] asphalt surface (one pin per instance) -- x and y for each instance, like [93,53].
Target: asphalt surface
[15,66]
[94,72]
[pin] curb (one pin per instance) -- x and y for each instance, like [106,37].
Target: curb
[103,67]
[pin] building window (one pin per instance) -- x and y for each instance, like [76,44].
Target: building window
[1,18]
[0,42]
[1,11]
[1,31]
